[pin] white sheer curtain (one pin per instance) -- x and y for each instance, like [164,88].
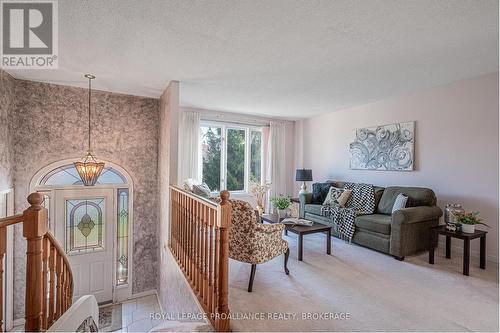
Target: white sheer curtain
[189,141]
[276,163]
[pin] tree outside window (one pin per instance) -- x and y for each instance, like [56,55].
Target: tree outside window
[231,156]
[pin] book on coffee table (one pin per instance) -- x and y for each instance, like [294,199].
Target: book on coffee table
[297,221]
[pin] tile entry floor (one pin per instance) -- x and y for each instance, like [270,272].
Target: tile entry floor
[136,314]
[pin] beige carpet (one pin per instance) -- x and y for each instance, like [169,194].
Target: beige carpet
[378,292]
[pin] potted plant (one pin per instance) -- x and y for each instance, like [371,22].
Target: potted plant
[468,221]
[281,203]
[258,191]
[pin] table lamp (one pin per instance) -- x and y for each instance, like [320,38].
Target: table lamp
[303,175]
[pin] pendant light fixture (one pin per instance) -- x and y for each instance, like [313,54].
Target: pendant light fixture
[89,169]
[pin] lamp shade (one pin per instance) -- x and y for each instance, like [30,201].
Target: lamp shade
[304,175]
[89,170]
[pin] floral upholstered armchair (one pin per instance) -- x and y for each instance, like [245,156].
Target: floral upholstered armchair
[253,242]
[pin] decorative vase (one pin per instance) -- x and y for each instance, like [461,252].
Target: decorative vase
[450,210]
[468,228]
[260,209]
[282,213]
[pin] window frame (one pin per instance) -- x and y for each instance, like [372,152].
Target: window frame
[225,126]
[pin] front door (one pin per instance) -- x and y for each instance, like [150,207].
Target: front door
[84,227]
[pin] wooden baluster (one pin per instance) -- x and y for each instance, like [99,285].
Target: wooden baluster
[34,228]
[193,239]
[211,260]
[45,265]
[63,291]
[3,249]
[205,255]
[52,269]
[200,251]
[175,233]
[189,240]
[216,266]
[198,247]
[222,325]
[184,238]
[52,276]
[68,303]
[181,232]
[192,222]
[59,309]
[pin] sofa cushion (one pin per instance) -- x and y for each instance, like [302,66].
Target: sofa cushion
[320,191]
[378,194]
[378,223]
[313,209]
[417,196]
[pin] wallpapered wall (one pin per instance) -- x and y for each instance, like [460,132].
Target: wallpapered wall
[7,104]
[50,124]
[171,284]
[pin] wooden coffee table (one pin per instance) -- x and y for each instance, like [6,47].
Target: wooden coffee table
[302,230]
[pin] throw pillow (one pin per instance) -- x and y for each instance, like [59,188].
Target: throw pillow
[202,190]
[400,202]
[320,191]
[337,196]
[342,200]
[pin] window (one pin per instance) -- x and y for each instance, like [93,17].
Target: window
[85,232]
[231,156]
[122,237]
[67,175]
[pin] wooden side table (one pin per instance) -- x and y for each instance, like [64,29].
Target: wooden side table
[466,237]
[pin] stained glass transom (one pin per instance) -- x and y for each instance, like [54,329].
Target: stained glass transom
[122,237]
[67,175]
[85,225]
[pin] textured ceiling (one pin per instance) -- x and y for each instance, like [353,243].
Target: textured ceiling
[278,58]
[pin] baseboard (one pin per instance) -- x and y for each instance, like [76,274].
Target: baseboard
[19,322]
[159,303]
[144,293]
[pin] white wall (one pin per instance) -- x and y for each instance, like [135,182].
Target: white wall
[456,149]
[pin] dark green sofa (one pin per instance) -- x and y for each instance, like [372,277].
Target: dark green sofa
[400,234]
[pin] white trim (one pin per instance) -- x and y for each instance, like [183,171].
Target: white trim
[34,186]
[9,264]
[19,322]
[143,294]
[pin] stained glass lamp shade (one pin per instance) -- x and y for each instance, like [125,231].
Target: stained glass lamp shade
[89,169]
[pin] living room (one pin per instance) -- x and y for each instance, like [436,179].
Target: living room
[346,149]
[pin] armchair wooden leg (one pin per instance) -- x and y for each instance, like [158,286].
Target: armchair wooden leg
[287,254]
[252,275]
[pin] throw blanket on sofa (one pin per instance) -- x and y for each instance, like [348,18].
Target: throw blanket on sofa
[361,201]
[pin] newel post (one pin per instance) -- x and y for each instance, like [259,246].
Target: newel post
[34,228]
[222,311]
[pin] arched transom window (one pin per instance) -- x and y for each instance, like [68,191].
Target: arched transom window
[67,175]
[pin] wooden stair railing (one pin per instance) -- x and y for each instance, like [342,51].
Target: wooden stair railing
[199,241]
[49,280]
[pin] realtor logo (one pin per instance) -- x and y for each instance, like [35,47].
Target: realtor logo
[29,34]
